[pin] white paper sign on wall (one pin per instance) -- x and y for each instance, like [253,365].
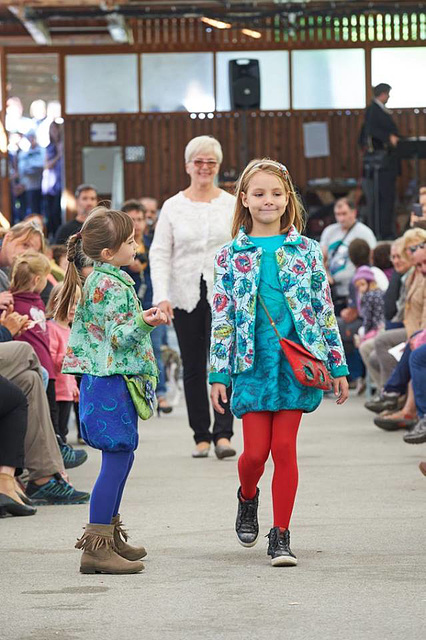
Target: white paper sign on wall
[103,132]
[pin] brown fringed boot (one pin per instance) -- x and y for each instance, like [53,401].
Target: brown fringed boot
[120,542]
[99,554]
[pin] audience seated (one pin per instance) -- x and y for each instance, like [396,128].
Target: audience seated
[335,241]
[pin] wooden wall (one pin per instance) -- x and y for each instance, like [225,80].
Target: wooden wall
[278,135]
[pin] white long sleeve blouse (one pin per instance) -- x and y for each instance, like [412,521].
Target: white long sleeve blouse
[187,236]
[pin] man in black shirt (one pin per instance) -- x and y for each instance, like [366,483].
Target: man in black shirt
[379,138]
[86,198]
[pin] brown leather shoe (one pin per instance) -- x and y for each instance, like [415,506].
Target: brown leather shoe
[422,467]
[120,542]
[99,554]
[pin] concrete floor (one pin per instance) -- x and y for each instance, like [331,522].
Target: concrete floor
[358,530]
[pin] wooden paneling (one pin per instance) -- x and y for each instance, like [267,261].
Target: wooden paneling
[278,135]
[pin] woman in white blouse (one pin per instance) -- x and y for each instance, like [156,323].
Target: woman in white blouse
[191,228]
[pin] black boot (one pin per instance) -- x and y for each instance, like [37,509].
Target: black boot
[246,525]
[279,548]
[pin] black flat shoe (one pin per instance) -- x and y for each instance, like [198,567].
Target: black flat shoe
[9,505]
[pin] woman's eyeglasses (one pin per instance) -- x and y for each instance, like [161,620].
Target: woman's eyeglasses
[211,164]
[414,248]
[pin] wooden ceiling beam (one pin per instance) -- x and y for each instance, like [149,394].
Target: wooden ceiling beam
[37,29]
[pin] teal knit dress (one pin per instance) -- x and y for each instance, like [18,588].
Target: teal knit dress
[270,385]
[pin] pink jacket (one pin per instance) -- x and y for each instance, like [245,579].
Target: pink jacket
[65,383]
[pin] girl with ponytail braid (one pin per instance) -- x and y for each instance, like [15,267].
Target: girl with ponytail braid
[109,340]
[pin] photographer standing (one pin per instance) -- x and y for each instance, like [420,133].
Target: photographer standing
[378,139]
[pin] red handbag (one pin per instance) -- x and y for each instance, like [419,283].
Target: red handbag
[307,369]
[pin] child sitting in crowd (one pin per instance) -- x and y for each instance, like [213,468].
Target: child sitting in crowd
[370,302]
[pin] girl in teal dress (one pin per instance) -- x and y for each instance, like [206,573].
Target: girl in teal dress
[269,258]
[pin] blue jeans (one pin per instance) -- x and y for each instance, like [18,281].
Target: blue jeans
[158,338]
[418,378]
[401,375]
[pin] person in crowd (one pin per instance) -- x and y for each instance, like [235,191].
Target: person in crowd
[269,269]
[136,269]
[394,305]
[47,482]
[398,383]
[66,389]
[13,427]
[379,138]
[52,179]
[30,168]
[414,320]
[371,304]
[86,198]
[151,218]
[335,241]
[350,319]
[19,238]
[17,189]
[418,378]
[28,279]
[109,340]
[57,254]
[15,119]
[40,121]
[29,275]
[381,258]
[136,210]
[192,226]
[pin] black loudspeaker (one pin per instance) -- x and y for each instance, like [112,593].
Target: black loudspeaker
[244,84]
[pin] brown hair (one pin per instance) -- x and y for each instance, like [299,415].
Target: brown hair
[25,230]
[58,250]
[381,255]
[26,266]
[53,300]
[133,205]
[103,229]
[294,213]
[359,252]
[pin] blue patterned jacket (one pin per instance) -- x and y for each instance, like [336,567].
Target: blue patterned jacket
[306,292]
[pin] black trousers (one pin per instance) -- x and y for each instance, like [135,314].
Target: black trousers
[13,424]
[383,223]
[64,412]
[53,213]
[193,333]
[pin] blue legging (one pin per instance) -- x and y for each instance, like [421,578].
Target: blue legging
[109,486]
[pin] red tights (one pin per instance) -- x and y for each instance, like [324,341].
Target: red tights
[266,432]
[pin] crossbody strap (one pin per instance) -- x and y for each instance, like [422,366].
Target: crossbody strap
[273,325]
[336,248]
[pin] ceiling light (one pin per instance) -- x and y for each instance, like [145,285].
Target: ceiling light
[216,23]
[251,33]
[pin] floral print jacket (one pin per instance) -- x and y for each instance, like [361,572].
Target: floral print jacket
[109,335]
[305,290]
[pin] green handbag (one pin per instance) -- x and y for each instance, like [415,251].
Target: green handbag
[142,391]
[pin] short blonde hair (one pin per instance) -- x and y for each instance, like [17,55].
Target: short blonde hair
[26,266]
[412,236]
[294,213]
[203,144]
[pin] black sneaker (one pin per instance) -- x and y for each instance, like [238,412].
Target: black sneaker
[72,457]
[418,434]
[56,491]
[385,402]
[279,548]
[246,525]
